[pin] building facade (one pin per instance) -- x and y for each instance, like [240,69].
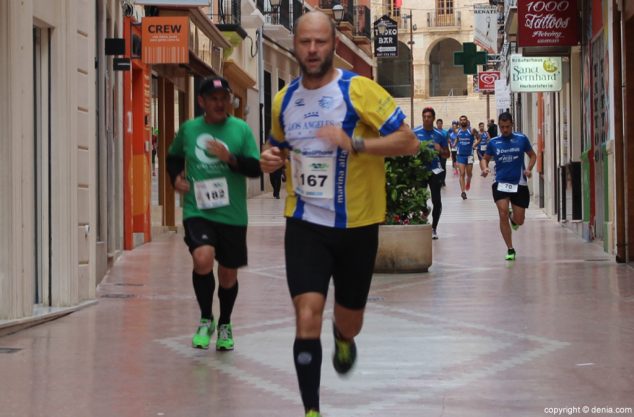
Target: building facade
[580,131]
[437,28]
[81,117]
[48,213]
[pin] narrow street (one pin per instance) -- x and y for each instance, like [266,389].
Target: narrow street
[475,336]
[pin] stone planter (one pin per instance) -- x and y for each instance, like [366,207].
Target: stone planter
[404,249]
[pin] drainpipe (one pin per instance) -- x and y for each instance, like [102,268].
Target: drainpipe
[619,145]
[260,36]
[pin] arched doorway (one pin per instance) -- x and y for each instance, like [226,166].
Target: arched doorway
[444,78]
[394,73]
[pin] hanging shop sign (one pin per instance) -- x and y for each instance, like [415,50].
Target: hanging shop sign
[485,24]
[502,96]
[548,23]
[486,81]
[165,40]
[535,74]
[385,38]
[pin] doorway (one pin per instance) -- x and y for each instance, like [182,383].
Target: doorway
[42,164]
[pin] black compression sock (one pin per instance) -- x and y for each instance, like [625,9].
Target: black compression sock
[204,286]
[227,298]
[307,358]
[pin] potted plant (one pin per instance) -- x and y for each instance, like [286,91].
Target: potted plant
[405,238]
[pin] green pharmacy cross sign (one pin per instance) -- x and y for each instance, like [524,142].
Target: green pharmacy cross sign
[469,58]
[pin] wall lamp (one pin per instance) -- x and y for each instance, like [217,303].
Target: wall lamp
[338,12]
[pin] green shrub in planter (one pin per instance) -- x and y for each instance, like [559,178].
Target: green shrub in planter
[406,196]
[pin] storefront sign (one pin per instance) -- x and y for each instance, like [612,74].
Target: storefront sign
[535,74]
[486,81]
[548,23]
[485,23]
[502,96]
[385,38]
[165,40]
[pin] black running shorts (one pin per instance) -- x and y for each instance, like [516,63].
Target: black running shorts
[315,253]
[521,198]
[229,242]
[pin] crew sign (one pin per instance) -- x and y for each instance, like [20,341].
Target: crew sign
[165,40]
[385,38]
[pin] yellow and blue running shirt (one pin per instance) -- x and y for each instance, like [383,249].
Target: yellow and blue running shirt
[327,185]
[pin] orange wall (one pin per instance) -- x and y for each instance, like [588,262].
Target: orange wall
[136,157]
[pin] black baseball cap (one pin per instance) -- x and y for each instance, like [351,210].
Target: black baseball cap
[211,84]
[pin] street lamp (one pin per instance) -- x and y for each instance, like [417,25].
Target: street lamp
[412,27]
[338,12]
[275,5]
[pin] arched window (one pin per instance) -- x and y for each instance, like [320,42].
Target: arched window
[444,78]
[394,73]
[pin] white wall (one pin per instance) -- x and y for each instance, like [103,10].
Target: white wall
[72,156]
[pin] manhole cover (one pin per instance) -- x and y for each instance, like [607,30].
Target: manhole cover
[9,350]
[125,284]
[117,296]
[597,260]
[375,298]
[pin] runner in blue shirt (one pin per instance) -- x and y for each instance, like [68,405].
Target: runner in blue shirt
[437,141]
[443,161]
[484,140]
[510,186]
[466,141]
[452,135]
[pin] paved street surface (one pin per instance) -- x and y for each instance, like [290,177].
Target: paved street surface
[475,336]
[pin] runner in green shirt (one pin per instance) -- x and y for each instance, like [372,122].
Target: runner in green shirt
[208,162]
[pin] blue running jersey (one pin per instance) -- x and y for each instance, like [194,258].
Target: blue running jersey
[465,142]
[508,154]
[484,141]
[452,137]
[434,136]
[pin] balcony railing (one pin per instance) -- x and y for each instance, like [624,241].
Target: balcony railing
[348,7]
[443,20]
[285,15]
[228,13]
[362,21]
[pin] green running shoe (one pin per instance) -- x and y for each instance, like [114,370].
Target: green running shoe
[313,413]
[225,337]
[203,334]
[510,255]
[345,354]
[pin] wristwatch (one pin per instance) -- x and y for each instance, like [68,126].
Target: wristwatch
[358,144]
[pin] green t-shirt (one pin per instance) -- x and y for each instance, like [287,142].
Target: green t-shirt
[190,143]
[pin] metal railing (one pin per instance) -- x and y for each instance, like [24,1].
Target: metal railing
[285,15]
[443,20]
[228,13]
[362,22]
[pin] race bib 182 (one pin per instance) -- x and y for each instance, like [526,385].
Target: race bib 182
[211,193]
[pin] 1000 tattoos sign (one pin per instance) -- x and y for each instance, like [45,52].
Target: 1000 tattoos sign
[535,74]
[548,23]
